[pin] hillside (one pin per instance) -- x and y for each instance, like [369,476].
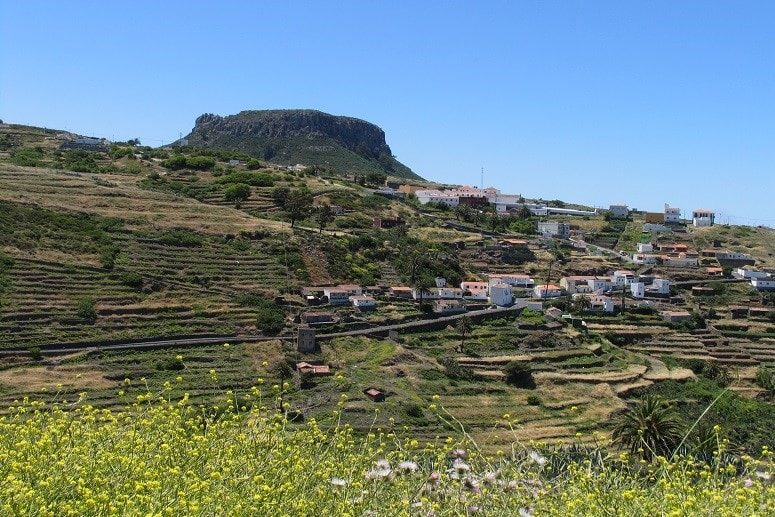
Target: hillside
[130,243]
[307,137]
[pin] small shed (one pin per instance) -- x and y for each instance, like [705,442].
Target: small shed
[313,369]
[738,311]
[374,394]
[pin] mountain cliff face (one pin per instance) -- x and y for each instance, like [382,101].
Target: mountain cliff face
[309,137]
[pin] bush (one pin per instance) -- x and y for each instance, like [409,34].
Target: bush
[413,410]
[35,353]
[254,179]
[108,256]
[533,400]
[520,375]
[454,371]
[181,237]
[131,279]
[270,319]
[237,193]
[178,161]
[86,309]
[27,157]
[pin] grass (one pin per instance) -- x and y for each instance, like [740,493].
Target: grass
[241,458]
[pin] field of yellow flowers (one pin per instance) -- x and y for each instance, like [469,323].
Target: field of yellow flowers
[163,457]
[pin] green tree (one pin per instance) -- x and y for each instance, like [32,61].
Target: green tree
[650,428]
[280,195]
[324,216]
[86,309]
[298,204]
[237,193]
[581,304]
[524,212]
[423,285]
[519,374]
[463,327]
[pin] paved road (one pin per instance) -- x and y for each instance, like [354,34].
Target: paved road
[62,348]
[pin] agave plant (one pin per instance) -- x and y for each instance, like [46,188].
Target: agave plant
[650,428]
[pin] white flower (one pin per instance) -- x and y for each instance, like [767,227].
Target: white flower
[458,453]
[537,458]
[460,466]
[748,483]
[525,512]
[471,484]
[383,464]
[490,478]
[408,466]
[338,481]
[766,476]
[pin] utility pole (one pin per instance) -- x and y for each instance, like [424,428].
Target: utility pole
[481,185]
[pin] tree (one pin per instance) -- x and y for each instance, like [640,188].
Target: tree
[86,309]
[298,204]
[280,195]
[519,374]
[324,216]
[650,428]
[524,212]
[581,304]
[424,285]
[237,193]
[463,327]
[463,213]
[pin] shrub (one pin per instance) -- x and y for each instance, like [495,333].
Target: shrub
[35,353]
[170,364]
[453,369]
[413,410]
[131,279]
[519,374]
[533,400]
[237,193]
[108,256]
[270,319]
[27,157]
[200,163]
[181,237]
[86,309]
[255,179]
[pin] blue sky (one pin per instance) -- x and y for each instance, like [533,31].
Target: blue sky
[591,102]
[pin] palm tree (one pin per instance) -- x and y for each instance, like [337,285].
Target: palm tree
[463,326]
[423,286]
[650,428]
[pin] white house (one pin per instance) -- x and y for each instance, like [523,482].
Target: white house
[638,289]
[554,229]
[363,302]
[622,277]
[501,295]
[475,290]
[619,211]
[513,279]
[682,260]
[440,281]
[576,284]
[645,247]
[703,217]
[600,283]
[733,255]
[660,286]
[602,303]
[436,196]
[337,296]
[751,273]
[547,291]
[763,284]
[644,258]
[672,214]
[439,293]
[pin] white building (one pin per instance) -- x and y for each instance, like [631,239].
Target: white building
[475,290]
[680,261]
[751,273]
[602,303]
[644,258]
[638,289]
[513,279]
[672,214]
[660,286]
[600,283]
[763,284]
[547,291]
[436,196]
[619,211]
[623,278]
[554,229]
[576,284]
[703,217]
[645,247]
[501,295]
[337,296]
[363,302]
[733,255]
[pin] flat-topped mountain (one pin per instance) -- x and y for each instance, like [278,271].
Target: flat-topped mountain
[309,137]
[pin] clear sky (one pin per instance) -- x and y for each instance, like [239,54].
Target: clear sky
[593,102]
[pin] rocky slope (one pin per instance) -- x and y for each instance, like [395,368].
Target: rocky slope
[309,137]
